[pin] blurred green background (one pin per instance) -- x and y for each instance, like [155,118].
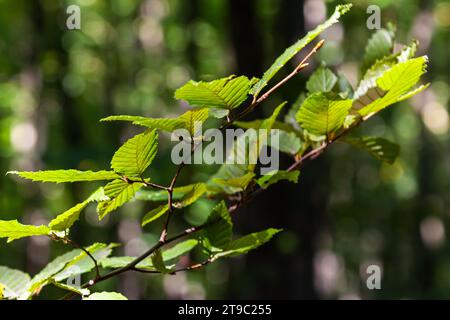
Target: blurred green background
[348,211]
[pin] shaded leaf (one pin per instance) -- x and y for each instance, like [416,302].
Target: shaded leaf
[379,148]
[272,178]
[154,214]
[322,80]
[106,296]
[219,227]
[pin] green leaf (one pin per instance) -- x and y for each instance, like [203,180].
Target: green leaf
[161,195]
[226,93]
[288,142]
[197,190]
[180,249]
[296,47]
[158,262]
[322,80]
[247,243]
[2,288]
[381,44]
[45,275]
[273,177]
[135,155]
[82,292]
[379,148]
[14,283]
[70,175]
[323,114]
[66,219]
[119,192]
[239,183]
[193,118]
[256,124]
[83,263]
[154,214]
[14,230]
[106,296]
[165,124]
[219,227]
[397,82]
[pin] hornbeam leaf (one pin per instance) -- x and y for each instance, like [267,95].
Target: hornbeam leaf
[219,227]
[154,214]
[226,93]
[70,175]
[379,148]
[322,80]
[323,114]
[14,230]
[296,47]
[165,124]
[191,196]
[13,283]
[82,292]
[273,177]
[247,243]
[194,117]
[381,44]
[288,142]
[135,155]
[66,219]
[119,192]
[158,262]
[397,82]
[240,183]
[106,296]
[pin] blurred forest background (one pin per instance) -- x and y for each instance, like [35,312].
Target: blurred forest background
[347,212]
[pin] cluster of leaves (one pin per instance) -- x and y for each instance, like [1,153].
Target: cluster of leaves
[326,112]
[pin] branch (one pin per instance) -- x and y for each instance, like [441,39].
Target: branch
[76,245]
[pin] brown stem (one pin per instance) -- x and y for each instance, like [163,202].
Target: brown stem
[76,245]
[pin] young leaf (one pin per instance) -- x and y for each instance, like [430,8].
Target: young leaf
[239,183]
[13,282]
[165,124]
[296,47]
[154,214]
[106,296]
[226,93]
[219,227]
[14,230]
[161,195]
[323,114]
[83,263]
[135,155]
[119,192]
[45,275]
[180,249]
[271,178]
[322,80]
[381,44]
[66,219]
[82,292]
[191,196]
[158,262]
[247,243]
[70,175]
[397,82]
[379,148]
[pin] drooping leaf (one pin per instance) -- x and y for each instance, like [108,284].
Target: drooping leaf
[379,148]
[119,192]
[135,155]
[323,114]
[322,80]
[154,214]
[247,243]
[14,230]
[273,177]
[70,175]
[13,282]
[219,227]
[106,296]
[396,82]
[296,47]
[226,93]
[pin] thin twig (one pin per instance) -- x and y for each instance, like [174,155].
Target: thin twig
[76,245]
